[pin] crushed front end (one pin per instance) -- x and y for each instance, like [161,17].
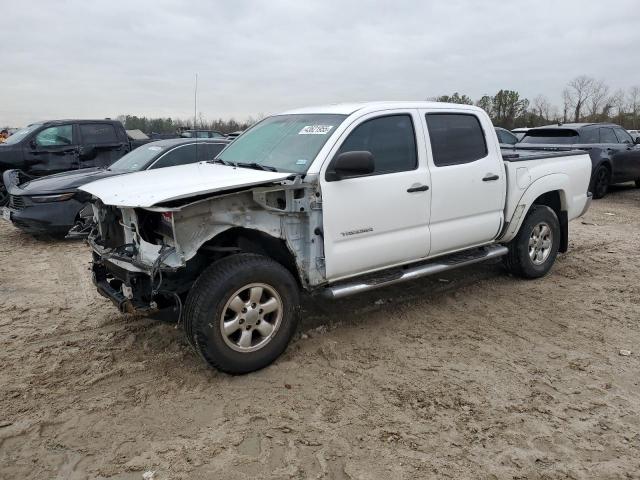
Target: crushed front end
[135,263]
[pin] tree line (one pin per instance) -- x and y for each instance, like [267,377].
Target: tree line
[173,125]
[585,99]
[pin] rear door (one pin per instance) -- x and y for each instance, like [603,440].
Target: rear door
[381,219]
[467,177]
[100,145]
[53,149]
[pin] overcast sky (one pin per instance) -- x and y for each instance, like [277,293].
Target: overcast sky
[97,59]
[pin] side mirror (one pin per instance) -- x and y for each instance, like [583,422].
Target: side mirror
[33,144]
[350,164]
[637,140]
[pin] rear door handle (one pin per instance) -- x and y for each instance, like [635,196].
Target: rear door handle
[419,188]
[490,177]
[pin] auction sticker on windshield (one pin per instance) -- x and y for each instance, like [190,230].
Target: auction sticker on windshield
[315,130]
[6,214]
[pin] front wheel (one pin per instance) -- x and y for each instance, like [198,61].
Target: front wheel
[4,195]
[535,248]
[601,180]
[242,312]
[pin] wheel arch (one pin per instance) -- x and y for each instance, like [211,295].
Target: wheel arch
[248,240]
[551,191]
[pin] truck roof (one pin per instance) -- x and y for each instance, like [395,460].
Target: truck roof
[76,120]
[349,108]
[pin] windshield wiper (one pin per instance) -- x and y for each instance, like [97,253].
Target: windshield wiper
[223,162]
[258,166]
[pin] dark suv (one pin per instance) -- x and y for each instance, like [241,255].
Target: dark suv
[615,156]
[62,145]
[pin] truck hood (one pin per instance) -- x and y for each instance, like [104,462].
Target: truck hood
[151,187]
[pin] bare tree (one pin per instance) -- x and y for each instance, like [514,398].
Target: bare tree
[578,92]
[542,108]
[598,99]
[566,99]
[616,106]
[633,105]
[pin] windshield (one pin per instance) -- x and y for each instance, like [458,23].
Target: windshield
[137,159]
[552,137]
[287,143]
[22,133]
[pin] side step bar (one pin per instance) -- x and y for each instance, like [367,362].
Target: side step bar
[440,265]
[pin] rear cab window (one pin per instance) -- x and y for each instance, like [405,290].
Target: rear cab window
[552,136]
[456,138]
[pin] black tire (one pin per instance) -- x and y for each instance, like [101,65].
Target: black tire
[518,260]
[4,195]
[637,183]
[205,309]
[600,182]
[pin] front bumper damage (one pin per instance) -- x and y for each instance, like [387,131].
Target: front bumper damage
[128,291]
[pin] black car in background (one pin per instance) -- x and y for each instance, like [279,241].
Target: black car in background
[54,205]
[505,137]
[61,145]
[615,156]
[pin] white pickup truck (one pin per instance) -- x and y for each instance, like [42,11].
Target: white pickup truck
[331,200]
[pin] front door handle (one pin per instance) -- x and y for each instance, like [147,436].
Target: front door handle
[419,188]
[490,177]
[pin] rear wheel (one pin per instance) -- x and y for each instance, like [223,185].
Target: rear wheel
[535,248]
[601,180]
[241,312]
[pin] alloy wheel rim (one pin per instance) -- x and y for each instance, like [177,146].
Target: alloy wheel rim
[251,317]
[540,243]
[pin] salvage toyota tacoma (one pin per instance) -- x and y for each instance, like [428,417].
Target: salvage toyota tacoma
[329,200]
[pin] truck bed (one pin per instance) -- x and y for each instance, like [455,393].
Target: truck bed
[522,155]
[567,170]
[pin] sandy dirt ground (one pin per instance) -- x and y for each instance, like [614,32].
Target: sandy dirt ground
[471,375]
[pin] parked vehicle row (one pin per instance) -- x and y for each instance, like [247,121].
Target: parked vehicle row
[615,155]
[51,147]
[62,145]
[54,205]
[329,201]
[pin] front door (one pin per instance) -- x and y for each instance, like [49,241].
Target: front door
[468,177]
[380,219]
[52,150]
[627,156]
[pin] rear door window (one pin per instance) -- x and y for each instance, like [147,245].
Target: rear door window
[209,151]
[391,140]
[455,138]
[98,133]
[607,135]
[590,135]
